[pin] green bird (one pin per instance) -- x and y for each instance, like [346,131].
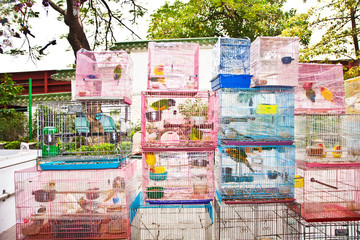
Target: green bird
[163,104]
[195,134]
[239,155]
[117,72]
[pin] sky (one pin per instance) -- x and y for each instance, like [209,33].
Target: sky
[60,56]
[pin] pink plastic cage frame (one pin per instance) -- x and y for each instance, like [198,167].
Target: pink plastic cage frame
[74,204]
[103,75]
[173,65]
[178,177]
[352,95]
[320,89]
[178,119]
[328,192]
[274,61]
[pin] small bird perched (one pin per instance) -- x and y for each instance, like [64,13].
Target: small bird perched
[107,122]
[158,71]
[327,94]
[118,186]
[89,206]
[239,155]
[195,134]
[163,104]
[309,91]
[49,186]
[26,30]
[117,72]
[150,159]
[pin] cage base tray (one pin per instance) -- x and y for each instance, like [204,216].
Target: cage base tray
[80,165]
[165,202]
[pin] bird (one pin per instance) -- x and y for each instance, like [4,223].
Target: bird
[327,94]
[88,205]
[117,72]
[163,104]
[107,122]
[49,186]
[239,155]
[81,123]
[150,159]
[337,151]
[158,71]
[310,94]
[26,30]
[233,133]
[118,186]
[324,150]
[195,134]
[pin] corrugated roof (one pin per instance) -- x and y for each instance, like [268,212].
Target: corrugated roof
[64,75]
[138,45]
[23,100]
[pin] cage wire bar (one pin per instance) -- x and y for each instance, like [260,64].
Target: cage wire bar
[103,75]
[261,173]
[256,115]
[178,119]
[328,193]
[173,65]
[273,221]
[231,56]
[83,130]
[173,222]
[352,95]
[326,138]
[342,230]
[320,89]
[87,204]
[178,177]
[274,61]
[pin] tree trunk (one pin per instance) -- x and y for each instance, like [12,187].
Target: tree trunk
[354,34]
[76,37]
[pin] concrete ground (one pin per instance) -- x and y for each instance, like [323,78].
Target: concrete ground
[9,234]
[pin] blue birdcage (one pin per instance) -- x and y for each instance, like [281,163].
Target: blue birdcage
[231,56]
[263,172]
[256,115]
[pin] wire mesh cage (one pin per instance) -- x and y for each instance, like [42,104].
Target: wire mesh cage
[256,114]
[262,172]
[178,119]
[324,138]
[328,193]
[103,75]
[320,89]
[84,130]
[270,221]
[274,61]
[173,65]
[178,177]
[86,204]
[352,95]
[231,56]
[346,230]
[162,222]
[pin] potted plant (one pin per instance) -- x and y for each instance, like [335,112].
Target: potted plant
[196,110]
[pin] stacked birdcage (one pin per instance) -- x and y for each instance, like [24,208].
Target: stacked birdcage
[352,95]
[255,160]
[327,147]
[178,139]
[83,184]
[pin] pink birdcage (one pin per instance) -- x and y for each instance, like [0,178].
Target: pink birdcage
[178,177]
[327,138]
[103,75]
[274,61]
[91,204]
[320,89]
[327,192]
[178,119]
[255,221]
[352,95]
[173,65]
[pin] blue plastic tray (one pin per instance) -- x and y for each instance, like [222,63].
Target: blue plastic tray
[80,165]
[230,81]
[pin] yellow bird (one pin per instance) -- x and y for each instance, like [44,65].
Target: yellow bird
[327,94]
[150,159]
[159,71]
[337,151]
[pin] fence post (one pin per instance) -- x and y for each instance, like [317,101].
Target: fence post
[30,110]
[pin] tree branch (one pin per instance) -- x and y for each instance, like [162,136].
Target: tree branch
[57,8]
